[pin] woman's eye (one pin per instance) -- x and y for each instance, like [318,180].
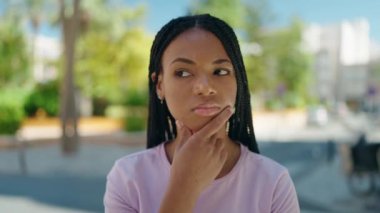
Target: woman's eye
[182,73]
[221,72]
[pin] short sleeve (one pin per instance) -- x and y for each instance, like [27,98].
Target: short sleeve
[284,196]
[120,194]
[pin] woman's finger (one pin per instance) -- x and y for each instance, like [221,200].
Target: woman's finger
[183,134]
[215,124]
[219,145]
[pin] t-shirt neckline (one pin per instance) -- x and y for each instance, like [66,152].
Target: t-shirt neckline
[243,152]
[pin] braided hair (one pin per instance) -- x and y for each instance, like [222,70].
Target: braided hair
[161,124]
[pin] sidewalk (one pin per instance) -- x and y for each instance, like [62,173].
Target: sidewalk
[21,204]
[59,184]
[56,183]
[35,132]
[326,186]
[268,126]
[292,126]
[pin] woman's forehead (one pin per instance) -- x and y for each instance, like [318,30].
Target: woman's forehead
[195,43]
[196,33]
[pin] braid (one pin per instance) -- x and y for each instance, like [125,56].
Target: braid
[161,124]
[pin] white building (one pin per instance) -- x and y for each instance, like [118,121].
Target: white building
[341,59]
[46,51]
[374,81]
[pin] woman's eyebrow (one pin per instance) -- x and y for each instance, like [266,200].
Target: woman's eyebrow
[221,61]
[183,60]
[188,61]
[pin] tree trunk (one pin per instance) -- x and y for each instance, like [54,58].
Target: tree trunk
[68,113]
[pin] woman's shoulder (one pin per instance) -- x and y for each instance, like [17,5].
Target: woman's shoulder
[143,160]
[272,181]
[263,165]
[140,156]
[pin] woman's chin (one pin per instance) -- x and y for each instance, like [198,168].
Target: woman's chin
[196,126]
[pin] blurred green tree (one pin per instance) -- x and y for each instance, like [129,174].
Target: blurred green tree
[11,113]
[231,11]
[113,59]
[292,66]
[257,57]
[44,97]
[15,61]
[105,29]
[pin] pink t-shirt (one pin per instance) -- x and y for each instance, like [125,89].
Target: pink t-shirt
[137,183]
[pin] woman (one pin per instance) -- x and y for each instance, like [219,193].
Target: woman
[202,154]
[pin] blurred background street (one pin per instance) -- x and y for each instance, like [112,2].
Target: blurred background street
[53,182]
[74,94]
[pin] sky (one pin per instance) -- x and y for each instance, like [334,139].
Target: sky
[329,11]
[321,12]
[311,11]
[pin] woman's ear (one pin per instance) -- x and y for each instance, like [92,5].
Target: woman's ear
[159,87]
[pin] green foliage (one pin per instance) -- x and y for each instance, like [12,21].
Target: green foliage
[273,104]
[136,102]
[136,98]
[99,105]
[112,60]
[293,65]
[294,100]
[11,117]
[259,65]
[231,11]
[136,119]
[134,123]
[107,17]
[257,15]
[14,56]
[116,111]
[257,73]
[11,112]
[44,96]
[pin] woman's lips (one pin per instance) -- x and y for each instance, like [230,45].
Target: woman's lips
[206,111]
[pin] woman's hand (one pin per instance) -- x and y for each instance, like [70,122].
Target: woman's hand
[199,158]
[197,161]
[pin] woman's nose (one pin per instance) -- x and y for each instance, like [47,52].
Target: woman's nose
[203,87]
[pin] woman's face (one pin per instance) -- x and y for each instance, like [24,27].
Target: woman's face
[198,79]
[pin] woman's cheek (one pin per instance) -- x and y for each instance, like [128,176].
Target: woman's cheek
[174,107]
